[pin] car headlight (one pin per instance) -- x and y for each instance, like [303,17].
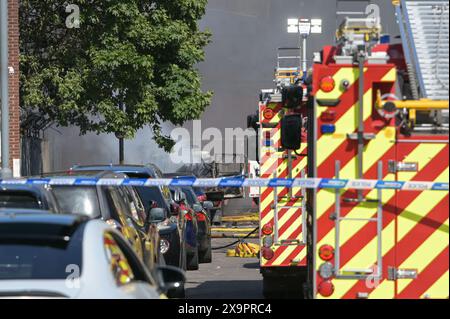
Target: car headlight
[164,246]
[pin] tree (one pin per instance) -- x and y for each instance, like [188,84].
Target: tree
[135,54]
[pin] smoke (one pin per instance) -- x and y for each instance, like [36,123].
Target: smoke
[239,63]
[69,148]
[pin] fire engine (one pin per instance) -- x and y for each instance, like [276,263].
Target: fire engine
[368,110]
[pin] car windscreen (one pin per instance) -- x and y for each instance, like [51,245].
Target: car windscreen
[40,258]
[78,200]
[19,199]
[148,194]
[164,189]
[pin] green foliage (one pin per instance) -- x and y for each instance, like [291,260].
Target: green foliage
[132,53]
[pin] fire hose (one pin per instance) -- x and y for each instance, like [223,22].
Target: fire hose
[237,241]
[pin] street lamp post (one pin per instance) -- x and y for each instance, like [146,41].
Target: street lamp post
[4,78]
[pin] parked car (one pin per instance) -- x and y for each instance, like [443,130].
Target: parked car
[28,196]
[119,206]
[214,197]
[189,218]
[201,210]
[46,255]
[203,223]
[172,228]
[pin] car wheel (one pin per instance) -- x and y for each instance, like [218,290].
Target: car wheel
[192,261]
[205,257]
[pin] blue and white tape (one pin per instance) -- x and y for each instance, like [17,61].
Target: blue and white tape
[310,183]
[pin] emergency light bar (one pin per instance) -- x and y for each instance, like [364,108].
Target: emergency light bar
[310,183]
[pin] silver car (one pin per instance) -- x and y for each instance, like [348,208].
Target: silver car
[65,256]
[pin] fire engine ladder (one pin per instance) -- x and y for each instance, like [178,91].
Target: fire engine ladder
[424,30]
[375,272]
[287,66]
[282,59]
[276,209]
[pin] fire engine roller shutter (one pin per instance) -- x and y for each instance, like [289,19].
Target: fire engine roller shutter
[337,146]
[421,229]
[422,225]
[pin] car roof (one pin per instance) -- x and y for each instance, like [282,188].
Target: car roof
[40,226]
[22,211]
[18,216]
[34,188]
[85,174]
[115,168]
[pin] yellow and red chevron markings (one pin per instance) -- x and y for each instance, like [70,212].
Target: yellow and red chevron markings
[289,219]
[415,224]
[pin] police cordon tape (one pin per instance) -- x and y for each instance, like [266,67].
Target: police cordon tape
[310,183]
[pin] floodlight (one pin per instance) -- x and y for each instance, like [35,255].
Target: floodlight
[292,25]
[316,26]
[304,26]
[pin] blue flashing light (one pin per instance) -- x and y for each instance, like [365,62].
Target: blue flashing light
[385,39]
[328,128]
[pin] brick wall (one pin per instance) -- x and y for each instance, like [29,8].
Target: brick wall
[14,128]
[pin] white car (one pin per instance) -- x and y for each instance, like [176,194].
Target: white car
[45,255]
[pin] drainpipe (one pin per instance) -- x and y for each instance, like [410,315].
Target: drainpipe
[4,78]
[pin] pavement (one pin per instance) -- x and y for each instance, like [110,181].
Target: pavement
[226,277]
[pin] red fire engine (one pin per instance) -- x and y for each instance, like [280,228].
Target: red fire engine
[370,110]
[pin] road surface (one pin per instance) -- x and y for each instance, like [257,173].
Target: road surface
[226,277]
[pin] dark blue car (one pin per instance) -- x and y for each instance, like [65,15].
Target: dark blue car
[189,219]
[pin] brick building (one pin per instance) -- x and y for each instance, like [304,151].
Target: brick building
[14,111]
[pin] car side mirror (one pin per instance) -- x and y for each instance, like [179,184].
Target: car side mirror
[171,281]
[208,205]
[156,215]
[174,209]
[291,131]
